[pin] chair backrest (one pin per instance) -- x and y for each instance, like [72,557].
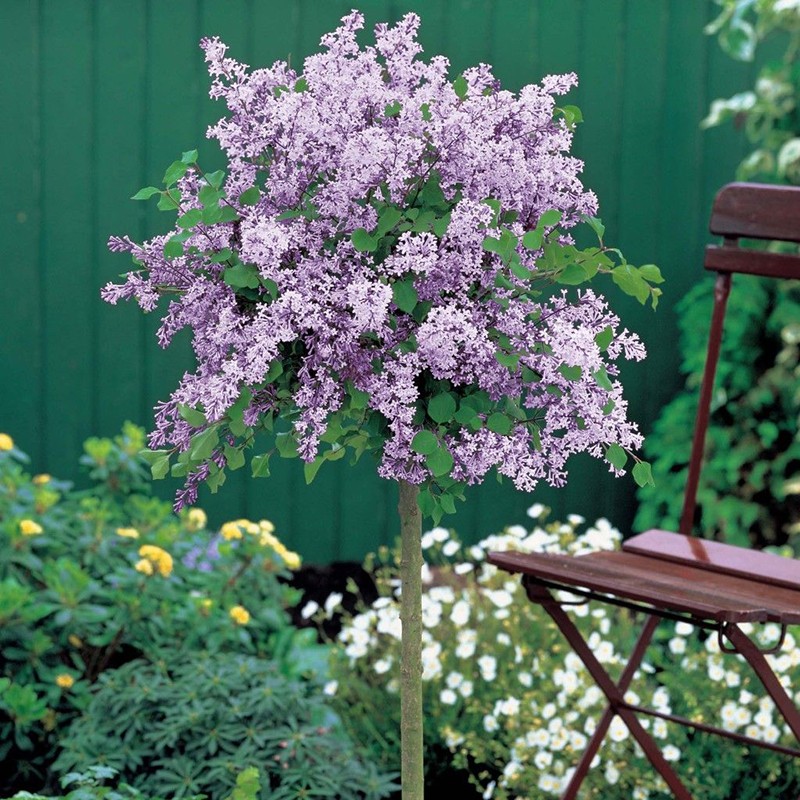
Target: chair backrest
[740,211]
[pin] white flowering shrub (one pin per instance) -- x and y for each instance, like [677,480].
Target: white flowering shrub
[508,703]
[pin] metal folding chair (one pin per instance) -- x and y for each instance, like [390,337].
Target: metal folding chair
[677,576]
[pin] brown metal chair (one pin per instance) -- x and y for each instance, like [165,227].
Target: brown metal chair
[678,576]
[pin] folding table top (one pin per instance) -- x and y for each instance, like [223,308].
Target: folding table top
[707,580]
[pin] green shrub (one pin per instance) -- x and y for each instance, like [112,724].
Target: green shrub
[90,580]
[190,727]
[750,487]
[508,702]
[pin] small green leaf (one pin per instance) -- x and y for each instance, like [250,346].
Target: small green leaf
[405,295]
[259,465]
[509,360]
[465,414]
[426,502]
[286,445]
[388,217]
[197,419]
[440,224]
[461,87]
[393,109]
[176,170]
[643,474]
[572,275]
[550,218]
[167,202]
[616,456]
[190,218]
[439,462]
[442,407]
[189,157]
[595,224]
[173,249]
[609,407]
[159,468]
[601,376]
[234,457]
[499,423]
[425,109]
[571,373]
[215,178]
[146,193]
[250,197]
[228,213]
[651,273]
[311,468]
[363,242]
[242,276]
[424,443]
[603,339]
[301,85]
[203,444]
[532,240]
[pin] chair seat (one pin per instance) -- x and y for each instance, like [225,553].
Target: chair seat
[698,591]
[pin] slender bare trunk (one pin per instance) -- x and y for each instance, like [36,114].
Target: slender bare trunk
[411,742]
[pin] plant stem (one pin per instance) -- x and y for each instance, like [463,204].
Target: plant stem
[411,742]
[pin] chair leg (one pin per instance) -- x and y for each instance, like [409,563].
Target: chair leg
[766,675]
[604,722]
[540,594]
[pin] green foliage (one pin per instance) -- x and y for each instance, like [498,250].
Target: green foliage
[92,579]
[507,702]
[95,783]
[769,111]
[750,487]
[188,728]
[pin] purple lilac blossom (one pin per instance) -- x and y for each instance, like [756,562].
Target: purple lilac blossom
[325,141]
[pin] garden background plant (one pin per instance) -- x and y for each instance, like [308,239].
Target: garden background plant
[750,491]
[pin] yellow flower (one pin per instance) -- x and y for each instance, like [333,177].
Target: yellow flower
[160,559]
[266,526]
[231,530]
[268,540]
[74,640]
[6,442]
[128,533]
[65,681]
[40,480]
[205,605]
[291,559]
[144,566]
[30,528]
[196,519]
[240,615]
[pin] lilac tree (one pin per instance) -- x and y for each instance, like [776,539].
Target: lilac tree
[385,266]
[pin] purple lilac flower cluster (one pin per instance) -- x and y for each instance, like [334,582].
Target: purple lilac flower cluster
[362,271]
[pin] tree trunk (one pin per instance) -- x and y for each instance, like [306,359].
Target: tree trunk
[411,743]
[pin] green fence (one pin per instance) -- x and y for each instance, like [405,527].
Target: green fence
[98,97]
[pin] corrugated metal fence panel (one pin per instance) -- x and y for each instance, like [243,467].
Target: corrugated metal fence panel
[98,97]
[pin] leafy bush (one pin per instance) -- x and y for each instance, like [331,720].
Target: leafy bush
[190,727]
[91,580]
[750,492]
[507,702]
[750,488]
[769,111]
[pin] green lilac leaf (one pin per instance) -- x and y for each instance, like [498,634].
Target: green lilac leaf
[405,295]
[603,339]
[442,407]
[259,465]
[499,423]
[424,443]
[250,197]
[215,178]
[363,242]
[197,419]
[146,193]
[572,275]
[439,462]
[173,249]
[573,373]
[461,87]
[176,170]
[190,218]
[643,474]
[616,456]
[189,157]
[532,240]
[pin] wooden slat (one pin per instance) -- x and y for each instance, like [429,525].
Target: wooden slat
[757,211]
[662,584]
[754,262]
[717,557]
